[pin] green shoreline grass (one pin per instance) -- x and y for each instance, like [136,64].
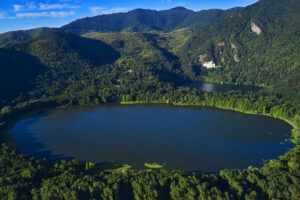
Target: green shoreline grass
[295,133]
[153,165]
[289,121]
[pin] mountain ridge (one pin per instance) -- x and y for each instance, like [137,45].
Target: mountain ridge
[227,50]
[256,45]
[145,20]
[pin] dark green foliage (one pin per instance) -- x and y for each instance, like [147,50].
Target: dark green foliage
[143,20]
[22,35]
[55,68]
[18,71]
[23,177]
[141,51]
[205,17]
[262,59]
[56,57]
[57,49]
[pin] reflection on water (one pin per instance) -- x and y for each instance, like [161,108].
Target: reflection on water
[214,87]
[188,138]
[208,87]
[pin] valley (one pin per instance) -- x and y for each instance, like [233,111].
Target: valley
[173,68]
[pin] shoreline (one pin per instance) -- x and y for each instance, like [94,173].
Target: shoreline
[288,121]
[293,135]
[33,112]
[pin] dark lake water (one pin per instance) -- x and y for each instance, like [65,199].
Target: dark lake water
[215,87]
[187,138]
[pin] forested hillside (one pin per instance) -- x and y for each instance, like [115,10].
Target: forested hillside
[45,68]
[61,50]
[21,35]
[18,72]
[145,20]
[257,45]
[60,59]
[142,50]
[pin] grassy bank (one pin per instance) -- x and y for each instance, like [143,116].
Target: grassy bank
[293,122]
[25,177]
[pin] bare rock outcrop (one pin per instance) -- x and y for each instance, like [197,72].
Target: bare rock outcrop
[255,28]
[203,57]
[236,58]
[130,71]
[221,44]
[233,46]
[222,59]
[209,64]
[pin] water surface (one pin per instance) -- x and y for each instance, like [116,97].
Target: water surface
[187,138]
[216,87]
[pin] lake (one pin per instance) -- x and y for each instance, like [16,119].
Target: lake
[187,138]
[215,87]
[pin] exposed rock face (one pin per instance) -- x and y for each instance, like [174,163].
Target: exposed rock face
[209,64]
[255,28]
[236,58]
[223,59]
[203,57]
[233,46]
[221,44]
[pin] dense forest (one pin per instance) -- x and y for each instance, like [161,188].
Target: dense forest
[45,68]
[25,177]
[145,20]
[258,45]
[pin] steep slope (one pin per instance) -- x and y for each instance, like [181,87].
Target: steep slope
[62,60]
[143,20]
[257,45]
[204,17]
[87,69]
[22,35]
[18,72]
[141,51]
[62,50]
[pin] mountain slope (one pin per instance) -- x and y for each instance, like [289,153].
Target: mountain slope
[256,45]
[84,68]
[17,73]
[53,62]
[58,49]
[143,20]
[141,51]
[204,17]
[11,36]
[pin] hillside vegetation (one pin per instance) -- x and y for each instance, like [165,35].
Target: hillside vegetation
[243,56]
[256,45]
[21,35]
[18,71]
[145,20]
